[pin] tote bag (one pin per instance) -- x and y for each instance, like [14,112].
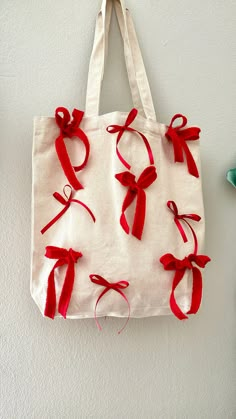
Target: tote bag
[117,208]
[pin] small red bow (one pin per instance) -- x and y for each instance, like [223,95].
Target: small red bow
[65,257]
[179,137]
[120,129]
[177,217]
[171,263]
[127,179]
[70,129]
[66,202]
[116,286]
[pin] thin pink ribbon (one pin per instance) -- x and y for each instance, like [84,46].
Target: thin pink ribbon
[66,202]
[120,129]
[182,217]
[116,286]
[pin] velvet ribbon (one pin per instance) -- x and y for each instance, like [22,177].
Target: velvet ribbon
[64,257]
[69,130]
[136,188]
[183,217]
[116,286]
[178,136]
[66,202]
[120,129]
[171,263]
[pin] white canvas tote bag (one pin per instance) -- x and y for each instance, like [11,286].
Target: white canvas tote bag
[117,208]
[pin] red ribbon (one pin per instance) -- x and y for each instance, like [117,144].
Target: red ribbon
[120,129]
[65,257]
[171,263]
[116,286]
[68,130]
[182,217]
[66,202]
[179,136]
[136,188]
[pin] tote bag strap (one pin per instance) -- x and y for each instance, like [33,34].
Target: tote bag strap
[139,85]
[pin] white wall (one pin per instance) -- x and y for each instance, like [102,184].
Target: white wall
[158,368]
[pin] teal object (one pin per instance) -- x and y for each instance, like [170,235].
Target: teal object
[231,177]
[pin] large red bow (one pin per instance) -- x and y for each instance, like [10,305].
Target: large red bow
[116,286]
[183,217]
[65,257]
[171,263]
[70,129]
[120,129]
[179,136]
[66,202]
[127,179]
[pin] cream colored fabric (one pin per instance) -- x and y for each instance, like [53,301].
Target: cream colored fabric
[107,249]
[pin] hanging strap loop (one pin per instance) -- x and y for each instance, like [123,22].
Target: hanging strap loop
[138,81]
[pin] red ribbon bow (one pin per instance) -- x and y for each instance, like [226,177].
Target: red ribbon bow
[65,257]
[120,129]
[116,286]
[179,137]
[66,202]
[70,129]
[171,263]
[127,179]
[177,217]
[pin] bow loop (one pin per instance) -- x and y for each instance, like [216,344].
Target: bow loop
[53,252]
[74,255]
[147,177]
[200,260]
[179,135]
[126,179]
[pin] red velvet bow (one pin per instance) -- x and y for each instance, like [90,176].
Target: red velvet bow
[65,257]
[171,263]
[70,129]
[179,137]
[66,202]
[177,217]
[120,129]
[116,286]
[127,179]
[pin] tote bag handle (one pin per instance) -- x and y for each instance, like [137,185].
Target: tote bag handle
[140,90]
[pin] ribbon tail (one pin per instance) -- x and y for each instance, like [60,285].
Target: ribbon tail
[95,308]
[148,147]
[86,207]
[50,306]
[54,220]
[66,163]
[139,217]
[127,202]
[83,137]
[178,151]
[181,230]
[128,317]
[121,158]
[192,167]
[173,304]
[196,291]
[67,290]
